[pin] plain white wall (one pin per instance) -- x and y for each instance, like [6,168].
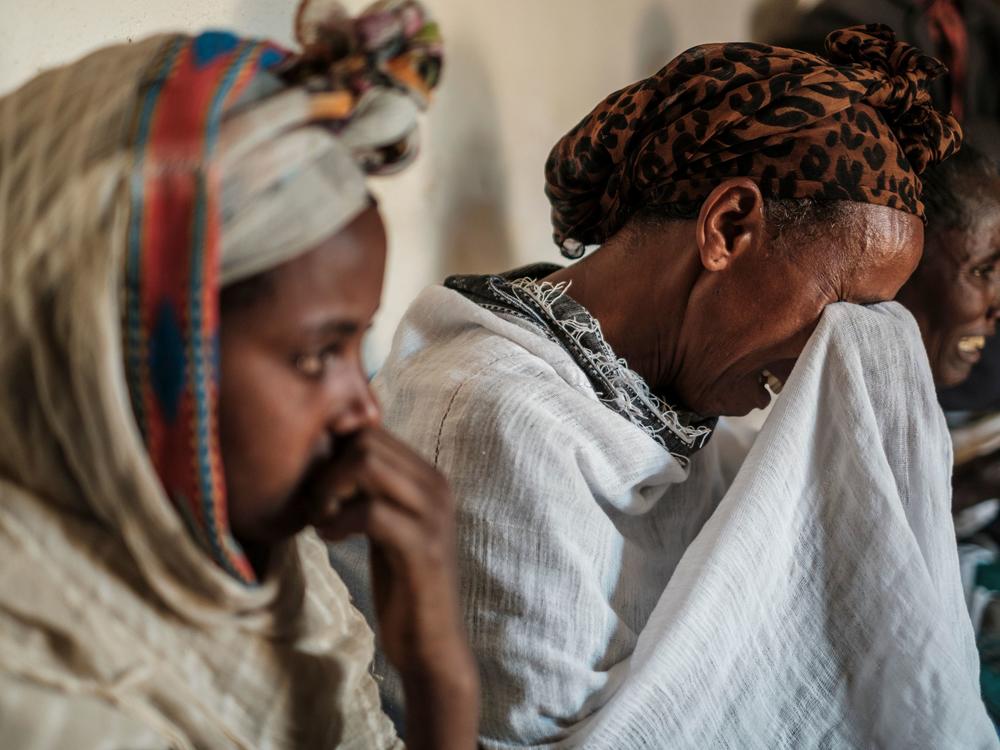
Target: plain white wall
[518,74]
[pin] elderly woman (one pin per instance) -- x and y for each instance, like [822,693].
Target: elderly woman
[190,259]
[955,292]
[624,585]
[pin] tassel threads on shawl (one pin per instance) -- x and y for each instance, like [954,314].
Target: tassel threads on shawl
[616,385]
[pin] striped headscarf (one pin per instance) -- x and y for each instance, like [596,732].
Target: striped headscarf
[246,156]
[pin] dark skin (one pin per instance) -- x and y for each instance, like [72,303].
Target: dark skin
[719,300]
[302,446]
[955,293]
[955,297]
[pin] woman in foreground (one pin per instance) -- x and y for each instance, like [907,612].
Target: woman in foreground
[190,259]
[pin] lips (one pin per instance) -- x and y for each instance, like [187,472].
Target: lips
[969,349]
[971,344]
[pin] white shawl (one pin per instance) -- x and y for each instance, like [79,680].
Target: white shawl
[616,600]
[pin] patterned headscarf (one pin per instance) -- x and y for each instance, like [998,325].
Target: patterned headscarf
[858,126]
[245,157]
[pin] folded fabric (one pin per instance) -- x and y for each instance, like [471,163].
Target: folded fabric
[616,599]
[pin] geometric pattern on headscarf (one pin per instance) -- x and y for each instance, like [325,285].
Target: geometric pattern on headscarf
[359,75]
[171,305]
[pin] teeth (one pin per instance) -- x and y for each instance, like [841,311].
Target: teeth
[772,381]
[969,344]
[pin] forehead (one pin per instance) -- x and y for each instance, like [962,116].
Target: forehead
[342,266]
[341,277]
[978,238]
[887,248]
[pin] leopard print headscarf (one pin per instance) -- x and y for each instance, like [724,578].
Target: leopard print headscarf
[857,126]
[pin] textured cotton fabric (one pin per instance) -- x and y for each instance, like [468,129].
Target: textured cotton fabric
[521,294]
[858,126]
[617,600]
[117,628]
[287,184]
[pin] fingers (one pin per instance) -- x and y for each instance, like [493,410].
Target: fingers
[377,465]
[380,488]
[349,519]
[401,536]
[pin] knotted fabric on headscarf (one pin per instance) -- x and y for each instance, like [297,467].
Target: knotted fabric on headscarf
[858,126]
[287,185]
[247,156]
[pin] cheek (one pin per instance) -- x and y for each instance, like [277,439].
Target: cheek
[742,324]
[270,423]
[966,302]
[769,314]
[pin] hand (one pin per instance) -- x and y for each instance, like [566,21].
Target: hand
[379,487]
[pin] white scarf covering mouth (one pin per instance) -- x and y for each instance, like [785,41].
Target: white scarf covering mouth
[615,599]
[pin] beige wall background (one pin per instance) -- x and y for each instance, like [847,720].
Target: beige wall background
[518,74]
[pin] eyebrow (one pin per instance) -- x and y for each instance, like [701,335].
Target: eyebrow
[330,327]
[334,327]
[991,258]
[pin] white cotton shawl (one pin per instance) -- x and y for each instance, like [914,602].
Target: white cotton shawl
[615,600]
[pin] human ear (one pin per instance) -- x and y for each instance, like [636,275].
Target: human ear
[731,222]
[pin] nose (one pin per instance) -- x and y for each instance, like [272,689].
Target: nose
[354,405]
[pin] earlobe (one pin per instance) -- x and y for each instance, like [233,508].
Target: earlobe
[731,221]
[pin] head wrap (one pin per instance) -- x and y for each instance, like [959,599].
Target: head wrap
[112,171]
[243,148]
[858,126]
[287,184]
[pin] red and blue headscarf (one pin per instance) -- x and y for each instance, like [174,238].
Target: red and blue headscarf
[175,262]
[171,306]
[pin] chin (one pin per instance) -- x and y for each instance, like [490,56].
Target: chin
[737,411]
[732,410]
[704,405]
[735,402]
[274,522]
[949,377]
[715,408]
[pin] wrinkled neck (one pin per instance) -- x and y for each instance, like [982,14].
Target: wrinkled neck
[637,287]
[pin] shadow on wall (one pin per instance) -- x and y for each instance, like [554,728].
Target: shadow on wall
[774,19]
[266,18]
[470,172]
[656,42]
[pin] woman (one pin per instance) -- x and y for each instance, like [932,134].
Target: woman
[955,297]
[955,292]
[626,583]
[190,260]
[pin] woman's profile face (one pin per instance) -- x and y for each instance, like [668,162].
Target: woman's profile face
[755,319]
[955,294]
[293,383]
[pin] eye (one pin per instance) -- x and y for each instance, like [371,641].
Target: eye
[985,271]
[313,365]
[310,365]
